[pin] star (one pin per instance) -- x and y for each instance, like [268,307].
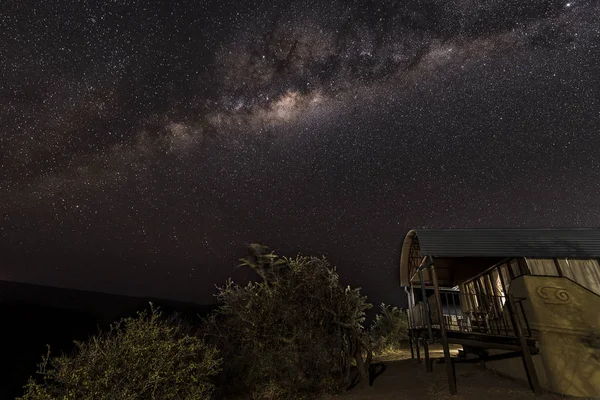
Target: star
[138,141]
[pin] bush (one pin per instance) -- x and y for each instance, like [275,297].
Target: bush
[293,334]
[147,357]
[389,330]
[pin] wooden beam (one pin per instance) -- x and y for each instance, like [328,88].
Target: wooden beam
[426,309]
[526,354]
[503,356]
[523,268]
[428,364]
[558,269]
[416,339]
[484,344]
[449,365]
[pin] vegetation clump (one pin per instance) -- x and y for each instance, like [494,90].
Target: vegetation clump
[294,333]
[147,357]
[389,331]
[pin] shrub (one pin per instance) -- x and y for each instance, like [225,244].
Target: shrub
[148,357]
[389,330]
[293,334]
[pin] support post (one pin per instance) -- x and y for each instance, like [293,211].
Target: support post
[558,269]
[428,365]
[426,305]
[443,333]
[416,340]
[410,322]
[532,377]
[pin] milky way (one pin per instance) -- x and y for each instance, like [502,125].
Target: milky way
[144,144]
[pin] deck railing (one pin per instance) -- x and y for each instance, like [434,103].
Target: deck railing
[470,313]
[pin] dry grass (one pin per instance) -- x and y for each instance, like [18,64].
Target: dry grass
[391,353]
[403,353]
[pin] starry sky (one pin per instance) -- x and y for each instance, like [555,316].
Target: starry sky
[143,144]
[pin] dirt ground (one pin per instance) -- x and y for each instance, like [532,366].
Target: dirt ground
[404,378]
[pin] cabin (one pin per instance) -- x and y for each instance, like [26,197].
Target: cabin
[523,302]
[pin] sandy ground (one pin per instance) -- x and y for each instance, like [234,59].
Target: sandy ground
[404,378]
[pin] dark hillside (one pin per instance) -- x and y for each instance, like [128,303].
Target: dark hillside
[33,316]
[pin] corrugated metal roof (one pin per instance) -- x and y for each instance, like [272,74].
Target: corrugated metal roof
[542,243]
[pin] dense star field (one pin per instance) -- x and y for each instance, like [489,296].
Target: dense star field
[143,144]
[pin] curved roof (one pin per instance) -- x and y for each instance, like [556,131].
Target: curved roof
[539,243]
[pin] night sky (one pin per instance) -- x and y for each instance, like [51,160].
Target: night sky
[143,144]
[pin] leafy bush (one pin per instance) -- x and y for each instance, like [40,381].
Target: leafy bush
[389,330]
[148,357]
[293,334]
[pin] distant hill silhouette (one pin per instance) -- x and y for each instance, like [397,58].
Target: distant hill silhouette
[33,316]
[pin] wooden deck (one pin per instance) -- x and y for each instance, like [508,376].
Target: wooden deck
[482,340]
[488,321]
[405,378]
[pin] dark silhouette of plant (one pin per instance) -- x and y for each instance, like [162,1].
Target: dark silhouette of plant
[295,333]
[148,357]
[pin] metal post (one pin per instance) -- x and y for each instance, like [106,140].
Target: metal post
[444,335]
[526,354]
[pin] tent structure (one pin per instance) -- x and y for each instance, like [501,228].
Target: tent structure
[525,302]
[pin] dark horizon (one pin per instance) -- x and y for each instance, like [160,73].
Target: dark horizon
[144,145]
[95,284]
